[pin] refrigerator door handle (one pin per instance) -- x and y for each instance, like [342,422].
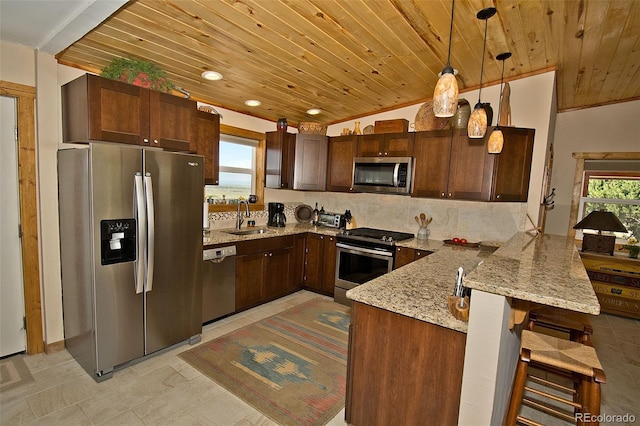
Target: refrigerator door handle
[141,235]
[148,186]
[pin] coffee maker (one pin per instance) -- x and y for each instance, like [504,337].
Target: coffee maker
[276,215]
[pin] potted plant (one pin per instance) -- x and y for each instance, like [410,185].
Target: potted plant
[632,247]
[138,72]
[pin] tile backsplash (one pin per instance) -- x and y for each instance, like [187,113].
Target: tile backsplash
[473,220]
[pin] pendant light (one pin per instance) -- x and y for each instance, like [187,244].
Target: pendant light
[477,126]
[445,95]
[496,140]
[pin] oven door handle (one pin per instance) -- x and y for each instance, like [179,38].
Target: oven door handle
[359,250]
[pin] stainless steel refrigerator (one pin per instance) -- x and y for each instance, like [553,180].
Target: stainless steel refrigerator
[131,252]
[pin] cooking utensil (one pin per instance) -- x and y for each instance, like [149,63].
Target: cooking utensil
[423,218]
[418,221]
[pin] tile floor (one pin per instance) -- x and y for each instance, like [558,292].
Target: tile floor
[166,390]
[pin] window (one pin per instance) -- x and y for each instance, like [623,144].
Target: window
[237,178]
[241,171]
[616,192]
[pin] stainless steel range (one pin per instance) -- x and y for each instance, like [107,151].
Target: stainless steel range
[362,255]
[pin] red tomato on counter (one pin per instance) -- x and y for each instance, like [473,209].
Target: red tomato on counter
[456,240]
[463,241]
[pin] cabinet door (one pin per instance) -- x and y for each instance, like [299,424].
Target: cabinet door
[512,167]
[249,280]
[370,145]
[398,145]
[278,273]
[95,108]
[310,167]
[469,178]
[432,153]
[299,246]
[208,145]
[313,262]
[342,150]
[280,154]
[404,256]
[329,265]
[173,121]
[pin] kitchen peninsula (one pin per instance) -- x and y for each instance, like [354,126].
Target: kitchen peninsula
[445,370]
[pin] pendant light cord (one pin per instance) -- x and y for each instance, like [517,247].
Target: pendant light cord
[484,46]
[453,4]
[500,98]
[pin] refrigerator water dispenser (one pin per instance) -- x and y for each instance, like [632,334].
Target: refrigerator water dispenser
[118,241]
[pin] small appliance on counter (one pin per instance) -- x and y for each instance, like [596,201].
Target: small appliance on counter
[331,220]
[277,218]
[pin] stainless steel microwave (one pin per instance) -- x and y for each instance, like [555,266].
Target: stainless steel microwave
[391,175]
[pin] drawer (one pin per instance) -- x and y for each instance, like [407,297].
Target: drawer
[628,292]
[619,305]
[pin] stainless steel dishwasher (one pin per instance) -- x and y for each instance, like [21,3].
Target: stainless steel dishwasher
[219,282]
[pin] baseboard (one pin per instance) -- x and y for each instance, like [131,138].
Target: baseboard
[50,348]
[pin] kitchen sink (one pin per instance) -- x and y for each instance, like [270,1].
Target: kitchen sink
[249,231]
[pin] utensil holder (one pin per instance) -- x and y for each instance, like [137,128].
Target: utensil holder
[459,312]
[423,233]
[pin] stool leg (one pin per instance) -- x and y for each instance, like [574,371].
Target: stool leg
[518,388]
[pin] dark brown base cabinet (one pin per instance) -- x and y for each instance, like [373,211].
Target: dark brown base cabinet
[264,270]
[417,385]
[320,263]
[406,255]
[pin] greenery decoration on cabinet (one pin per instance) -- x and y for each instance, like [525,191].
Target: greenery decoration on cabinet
[138,72]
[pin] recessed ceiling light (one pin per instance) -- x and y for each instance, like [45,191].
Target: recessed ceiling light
[252,103]
[211,75]
[314,111]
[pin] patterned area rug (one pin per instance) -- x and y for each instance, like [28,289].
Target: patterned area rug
[291,366]
[13,372]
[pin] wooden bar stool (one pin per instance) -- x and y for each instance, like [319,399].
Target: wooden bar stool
[576,324]
[562,357]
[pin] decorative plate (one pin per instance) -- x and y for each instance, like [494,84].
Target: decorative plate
[425,120]
[304,213]
[367,130]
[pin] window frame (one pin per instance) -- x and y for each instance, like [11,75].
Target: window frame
[259,168]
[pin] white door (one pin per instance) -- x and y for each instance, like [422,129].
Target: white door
[12,332]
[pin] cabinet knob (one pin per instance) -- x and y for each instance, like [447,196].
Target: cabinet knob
[379,154]
[442,195]
[270,254]
[282,184]
[385,154]
[449,195]
[321,237]
[330,238]
[155,141]
[350,189]
[145,140]
[265,255]
[498,196]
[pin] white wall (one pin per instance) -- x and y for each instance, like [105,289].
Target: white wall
[17,64]
[610,128]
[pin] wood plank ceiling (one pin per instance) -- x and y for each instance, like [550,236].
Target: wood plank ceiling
[352,58]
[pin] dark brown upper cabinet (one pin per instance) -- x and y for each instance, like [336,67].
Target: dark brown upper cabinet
[448,164]
[99,109]
[385,145]
[342,151]
[207,144]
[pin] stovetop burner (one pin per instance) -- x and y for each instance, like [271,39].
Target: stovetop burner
[374,235]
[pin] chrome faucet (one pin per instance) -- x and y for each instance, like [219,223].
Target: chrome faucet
[239,219]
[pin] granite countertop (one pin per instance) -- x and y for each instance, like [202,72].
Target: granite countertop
[219,236]
[545,270]
[420,289]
